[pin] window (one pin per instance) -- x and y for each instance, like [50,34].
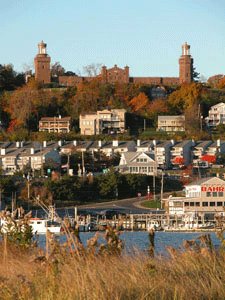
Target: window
[220,194]
[208,194]
[197,203]
[192,203]
[212,203]
[214,194]
[205,204]
[219,203]
[186,203]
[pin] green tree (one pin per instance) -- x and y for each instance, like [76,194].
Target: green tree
[109,183]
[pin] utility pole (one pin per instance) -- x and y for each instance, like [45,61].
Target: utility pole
[28,190]
[68,163]
[162,188]
[42,168]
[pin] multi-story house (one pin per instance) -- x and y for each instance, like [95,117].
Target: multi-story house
[162,153]
[199,150]
[55,124]
[138,163]
[216,115]
[112,147]
[105,121]
[216,148]
[16,156]
[160,149]
[171,123]
[182,150]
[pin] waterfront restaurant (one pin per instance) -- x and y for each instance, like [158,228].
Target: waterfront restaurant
[205,196]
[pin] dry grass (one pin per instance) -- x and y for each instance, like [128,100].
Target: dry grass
[187,275]
[100,272]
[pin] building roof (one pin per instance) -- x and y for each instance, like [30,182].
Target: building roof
[205,180]
[55,119]
[171,117]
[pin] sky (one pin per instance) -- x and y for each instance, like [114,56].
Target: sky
[145,35]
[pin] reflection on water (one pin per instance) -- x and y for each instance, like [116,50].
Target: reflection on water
[139,240]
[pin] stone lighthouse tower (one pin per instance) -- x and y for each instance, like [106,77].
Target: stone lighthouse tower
[185,65]
[42,64]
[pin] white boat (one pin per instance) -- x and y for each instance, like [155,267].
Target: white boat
[153,224]
[40,226]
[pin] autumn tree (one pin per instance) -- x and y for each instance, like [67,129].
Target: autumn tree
[139,104]
[186,96]
[187,100]
[158,107]
[221,83]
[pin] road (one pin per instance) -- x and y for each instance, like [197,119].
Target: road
[124,206]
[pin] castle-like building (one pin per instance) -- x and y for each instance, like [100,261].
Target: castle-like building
[115,74]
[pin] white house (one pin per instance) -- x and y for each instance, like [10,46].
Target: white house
[216,115]
[138,163]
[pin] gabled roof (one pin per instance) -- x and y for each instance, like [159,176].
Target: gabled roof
[206,180]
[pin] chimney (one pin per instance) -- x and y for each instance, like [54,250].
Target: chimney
[218,143]
[60,116]
[60,143]
[21,144]
[172,142]
[31,150]
[154,142]
[2,151]
[193,142]
[115,143]
[138,143]
[44,144]
[17,144]
[75,143]
[100,144]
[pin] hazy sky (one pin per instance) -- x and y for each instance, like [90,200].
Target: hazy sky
[146,35]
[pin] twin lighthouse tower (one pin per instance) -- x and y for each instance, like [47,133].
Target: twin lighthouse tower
[43,74]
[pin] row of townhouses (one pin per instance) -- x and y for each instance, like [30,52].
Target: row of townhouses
[143,157]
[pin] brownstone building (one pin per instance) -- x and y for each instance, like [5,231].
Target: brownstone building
[42,64]
[115,74]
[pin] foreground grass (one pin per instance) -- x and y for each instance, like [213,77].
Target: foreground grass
[185,275]
[103,271]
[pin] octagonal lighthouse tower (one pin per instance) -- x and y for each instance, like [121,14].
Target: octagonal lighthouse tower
[185,65]
[42,64]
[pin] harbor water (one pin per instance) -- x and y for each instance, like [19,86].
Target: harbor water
[139,240]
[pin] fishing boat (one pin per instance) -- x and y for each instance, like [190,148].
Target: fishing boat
[40,226]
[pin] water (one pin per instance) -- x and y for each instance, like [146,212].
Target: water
[140,241]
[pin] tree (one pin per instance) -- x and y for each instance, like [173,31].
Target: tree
[139,104]
[109,183]
[92,70]
[221,83]
[178,161]
[186,96]
[209,158]
[57,70]
[9,79]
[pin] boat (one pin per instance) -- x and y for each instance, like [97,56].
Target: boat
[153,224]
[40,226]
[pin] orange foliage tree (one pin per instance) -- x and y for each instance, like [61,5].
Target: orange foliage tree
[139,104]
